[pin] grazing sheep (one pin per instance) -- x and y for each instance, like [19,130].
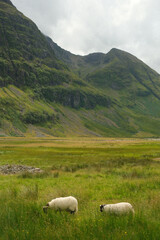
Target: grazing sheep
[69,204]
[122,208]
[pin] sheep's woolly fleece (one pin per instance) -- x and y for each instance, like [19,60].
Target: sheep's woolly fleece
[122,208]
[63,204]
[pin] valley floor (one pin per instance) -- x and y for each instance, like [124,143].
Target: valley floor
[94,170]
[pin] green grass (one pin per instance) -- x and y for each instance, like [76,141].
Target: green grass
[95,171]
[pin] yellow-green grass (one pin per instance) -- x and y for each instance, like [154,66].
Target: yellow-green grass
[94,170]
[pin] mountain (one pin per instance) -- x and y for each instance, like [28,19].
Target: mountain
[116,70]
[46,90]
[29,69]
[27,60]
[79,64]
[133,85]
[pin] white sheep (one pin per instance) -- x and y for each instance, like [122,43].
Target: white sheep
[69,204]
[122,208]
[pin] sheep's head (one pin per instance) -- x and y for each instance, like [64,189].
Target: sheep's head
[45,208]
[101,208]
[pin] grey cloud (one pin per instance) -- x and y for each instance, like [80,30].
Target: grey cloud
[89,26]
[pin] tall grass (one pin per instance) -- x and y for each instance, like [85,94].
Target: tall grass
[22,218]
[94,175]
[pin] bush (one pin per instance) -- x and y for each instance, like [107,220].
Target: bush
[35,116]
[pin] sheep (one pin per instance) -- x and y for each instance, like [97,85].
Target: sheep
[122,208]
[69,204]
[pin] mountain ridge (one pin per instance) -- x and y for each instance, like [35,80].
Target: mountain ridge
[101,60]
[7,1]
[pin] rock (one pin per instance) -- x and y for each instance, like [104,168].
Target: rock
[14,169]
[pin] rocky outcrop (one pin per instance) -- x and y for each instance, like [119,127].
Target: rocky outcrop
[14,169]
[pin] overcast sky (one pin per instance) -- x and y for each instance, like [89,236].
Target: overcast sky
[86,26]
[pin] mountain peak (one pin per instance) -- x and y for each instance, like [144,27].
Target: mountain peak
[7,1]
[122,55]
[115,49]
[118,51]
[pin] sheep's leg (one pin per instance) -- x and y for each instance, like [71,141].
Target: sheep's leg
[72,212]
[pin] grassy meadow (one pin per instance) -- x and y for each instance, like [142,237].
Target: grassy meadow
[94,170]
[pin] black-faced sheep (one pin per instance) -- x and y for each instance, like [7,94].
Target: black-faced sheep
[122,208]
[69,204]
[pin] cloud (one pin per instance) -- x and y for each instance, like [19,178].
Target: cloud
[89,26]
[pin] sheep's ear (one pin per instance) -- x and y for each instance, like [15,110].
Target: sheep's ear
[45,207]
[101,207]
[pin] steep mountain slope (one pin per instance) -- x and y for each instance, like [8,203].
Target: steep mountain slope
[28,63]
[45,90]
[124,71]
[116,69]
[24,53]
[27,60]
[81,65]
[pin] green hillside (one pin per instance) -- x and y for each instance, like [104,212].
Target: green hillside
[27,60]
[45,90]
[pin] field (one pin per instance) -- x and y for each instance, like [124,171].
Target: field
[95,171]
